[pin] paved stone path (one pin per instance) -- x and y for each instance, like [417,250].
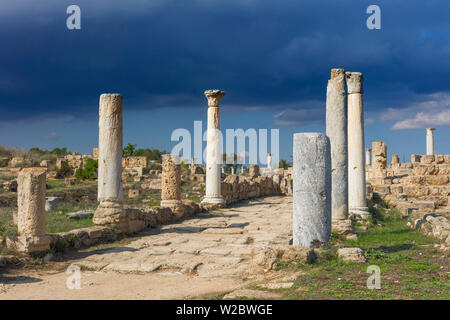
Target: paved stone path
[219,243]
[199,257]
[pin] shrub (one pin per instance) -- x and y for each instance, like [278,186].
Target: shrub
[89,171]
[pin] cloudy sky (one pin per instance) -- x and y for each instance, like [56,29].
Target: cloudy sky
[272,58]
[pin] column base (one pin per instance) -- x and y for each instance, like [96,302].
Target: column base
[109,212]
[343,226]
[360,211]
[213,200]
[32,243]
[170,203]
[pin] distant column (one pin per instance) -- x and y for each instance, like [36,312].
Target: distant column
[171,181]
[430,141]
[356,165]
[110,151]
[31,183]
[312,190]
[395,159]
[213,193]
[379,160]
[269,162]
[368,150]
[336,123]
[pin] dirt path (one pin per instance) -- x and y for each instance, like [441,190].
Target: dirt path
[205,255]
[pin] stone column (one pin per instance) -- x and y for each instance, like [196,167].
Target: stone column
[269,162]
[31,210]
[110,150]
[379,159]
[232,170]
[312,190]
[368,150]
[336,126]
[213,193]
[395,159]
[430,141]
[356,166]
[253,171]
[171,181]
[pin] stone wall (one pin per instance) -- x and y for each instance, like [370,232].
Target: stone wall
[420,189]
[134,162]
[426,178]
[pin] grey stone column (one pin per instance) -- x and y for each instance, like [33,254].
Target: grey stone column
[171,181]
[213,193]
[336,122]
[356,166]
[110,151]
[31,183]
[430,141]
[312,190]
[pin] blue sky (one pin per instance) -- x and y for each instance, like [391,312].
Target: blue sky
[272,58]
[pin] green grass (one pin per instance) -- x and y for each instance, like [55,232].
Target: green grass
[61,223]
[410,266]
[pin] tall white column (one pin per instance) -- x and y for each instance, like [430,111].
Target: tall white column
[213,149]
[430,141]
[269,162]
[312,190]
[356,163]
[110,151]
[368,150]
[336,123]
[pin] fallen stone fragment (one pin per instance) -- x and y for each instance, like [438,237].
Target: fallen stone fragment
[352,255]
[84,214]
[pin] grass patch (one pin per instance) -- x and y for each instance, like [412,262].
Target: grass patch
[410,267]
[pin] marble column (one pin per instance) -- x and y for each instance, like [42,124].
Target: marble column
[356,166]
[269,162]
[368,150]
[430,141]
[171,181]
[336,127]
[213,149]
[312,190]
[31,184]
[110,151]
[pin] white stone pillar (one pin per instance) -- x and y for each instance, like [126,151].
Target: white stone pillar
[269,162]
[356,166]
[31,183]
[110,193]
[312,190]
[368,150]
[232,170]
[430,141]
[336,125]
[213,149]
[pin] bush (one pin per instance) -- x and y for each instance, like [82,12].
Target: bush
[89,172]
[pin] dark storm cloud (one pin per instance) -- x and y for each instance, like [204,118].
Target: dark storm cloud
[165,53]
